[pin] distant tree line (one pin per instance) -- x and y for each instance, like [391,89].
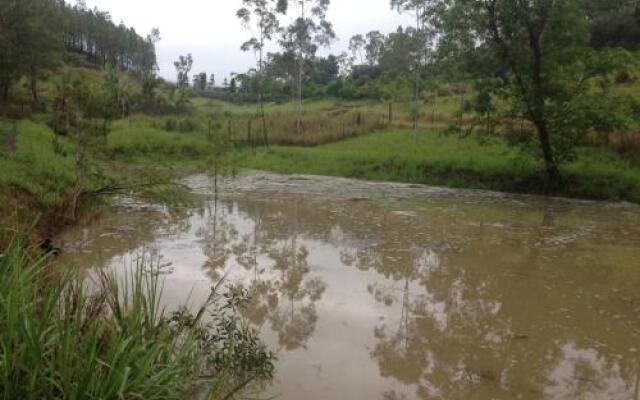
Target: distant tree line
[36,36]
[93,33]
[547,63]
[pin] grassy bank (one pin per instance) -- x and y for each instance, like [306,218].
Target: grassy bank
[34,178]
[451,161]
[44,177]
[61,341]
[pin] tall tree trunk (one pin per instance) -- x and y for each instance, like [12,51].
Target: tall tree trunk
[533,99]
[34,84]
[417,82]
[299,99]
[553,172]
[537,109]
[5,92]
[261,100]
[300,72]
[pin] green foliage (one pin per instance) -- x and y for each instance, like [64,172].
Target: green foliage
[554,79]
[61,340]
[614,23]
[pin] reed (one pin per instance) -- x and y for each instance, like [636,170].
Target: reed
[63,339]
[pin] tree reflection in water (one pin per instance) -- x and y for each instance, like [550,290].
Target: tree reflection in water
[283,293]
[466,332]
[217,236]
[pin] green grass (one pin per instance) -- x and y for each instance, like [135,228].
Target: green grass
[138,137]
[454,162]
[34,180]
[35,168]
[62,341]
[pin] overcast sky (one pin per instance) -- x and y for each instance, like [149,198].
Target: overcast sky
[210,31]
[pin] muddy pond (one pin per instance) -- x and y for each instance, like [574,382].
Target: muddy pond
[390,291]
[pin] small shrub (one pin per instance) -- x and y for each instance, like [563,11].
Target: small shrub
[170,125]
[624,77]
[187,125]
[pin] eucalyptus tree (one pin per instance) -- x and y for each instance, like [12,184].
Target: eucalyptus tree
[374,47]
[357,45]
[424,11]
[304,35]
[180,93]
[149,62]
[554,80]
[259,17]
[200,82]
[183,66]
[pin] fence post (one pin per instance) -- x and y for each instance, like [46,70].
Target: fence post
[433,113]
[390,113]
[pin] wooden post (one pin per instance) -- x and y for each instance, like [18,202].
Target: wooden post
[359,119]
[390,113]
[433,113]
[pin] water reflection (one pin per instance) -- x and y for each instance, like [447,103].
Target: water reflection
[413,296]
[283,292]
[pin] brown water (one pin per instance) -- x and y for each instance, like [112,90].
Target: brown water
[388,291]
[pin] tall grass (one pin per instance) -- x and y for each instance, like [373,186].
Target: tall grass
[316,128]
[61,340]
[139,138]
[323,121]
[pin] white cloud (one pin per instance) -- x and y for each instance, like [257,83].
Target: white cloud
[210,31]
